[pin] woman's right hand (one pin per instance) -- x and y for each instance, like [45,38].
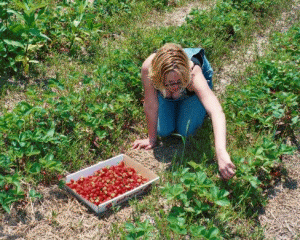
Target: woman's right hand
[143,143]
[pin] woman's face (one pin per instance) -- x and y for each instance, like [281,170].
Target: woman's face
[173,82]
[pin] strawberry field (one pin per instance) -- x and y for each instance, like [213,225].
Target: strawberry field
[71,96]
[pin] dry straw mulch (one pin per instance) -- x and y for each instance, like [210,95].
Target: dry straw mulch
[281,218]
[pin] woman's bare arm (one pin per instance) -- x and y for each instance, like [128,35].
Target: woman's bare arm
[150,108]
[215,111]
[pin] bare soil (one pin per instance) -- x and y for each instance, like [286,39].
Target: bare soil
[177,17]
[59,216]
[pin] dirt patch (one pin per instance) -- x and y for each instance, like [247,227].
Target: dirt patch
[176,17]
[281,217]
[10,101]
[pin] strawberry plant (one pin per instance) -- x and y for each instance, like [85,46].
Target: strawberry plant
[195,197]
[276,90]
[256,6]
[21,36]
[139,230]
[227,21]
[27,136]
[10,190]
[203,233]
[107,183]
[257,173]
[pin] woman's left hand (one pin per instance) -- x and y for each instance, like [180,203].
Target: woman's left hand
[226,167]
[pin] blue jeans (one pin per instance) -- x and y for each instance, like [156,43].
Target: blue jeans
[186,114]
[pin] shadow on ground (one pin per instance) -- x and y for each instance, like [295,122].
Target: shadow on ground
[176,150]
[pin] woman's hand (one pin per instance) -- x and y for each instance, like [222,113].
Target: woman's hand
[226,167]
[143,143]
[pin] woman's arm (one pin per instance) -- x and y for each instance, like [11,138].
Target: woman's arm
[215,111]
[150,108]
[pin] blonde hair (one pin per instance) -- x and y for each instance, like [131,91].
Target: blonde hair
[170,57]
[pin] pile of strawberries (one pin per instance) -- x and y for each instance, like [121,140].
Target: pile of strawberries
[107,183]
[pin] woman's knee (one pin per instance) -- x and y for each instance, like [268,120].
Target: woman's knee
[187,130]
[164,132]
[188,127]
[165,129]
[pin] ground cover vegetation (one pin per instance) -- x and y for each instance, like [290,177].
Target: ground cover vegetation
[69,120]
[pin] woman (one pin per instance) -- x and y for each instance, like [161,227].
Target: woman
[177,96]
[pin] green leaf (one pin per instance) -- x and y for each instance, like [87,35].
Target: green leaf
[33,61]
[56,83]
[31,151]
[34,194]
[130,238]
[61,184]
[34,7]
[177,224]
[213,233]
[50,133]
[13,43]
[195,165]
[17,184]
[259,151]
[45,36]
[295,120]
[285,149]
[188,179]
[20,16]
[5,207]
[50,157]
[184,171]
[201,178]
[176,212]
[35,168]
[3,29]
[214,192]
[5,162]
[222,202]
[197,231]
[130,227]
[174,191]
[78,39]
[101,134]
[252,180]
[36,32]
[76,23]
[223,193]
[144,227]
[20,123]
[190,209]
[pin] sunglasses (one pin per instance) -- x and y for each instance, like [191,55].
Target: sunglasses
[173,84]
